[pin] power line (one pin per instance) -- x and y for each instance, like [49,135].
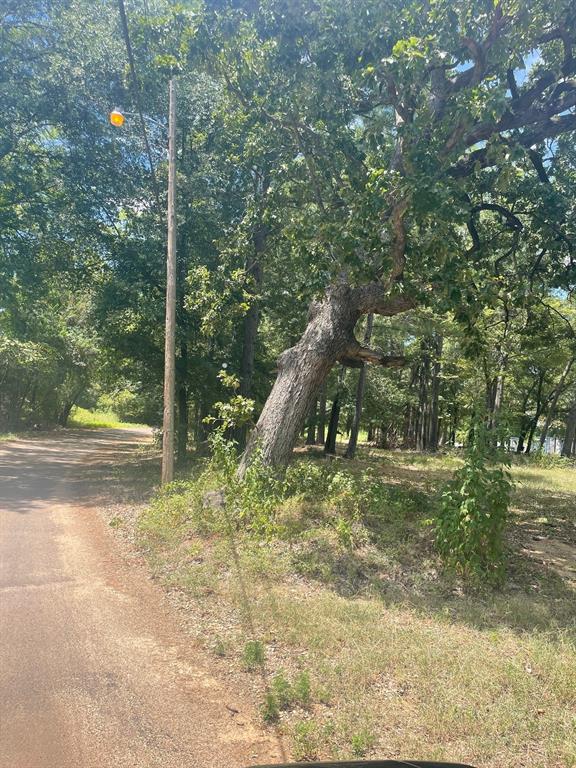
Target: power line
[137,93]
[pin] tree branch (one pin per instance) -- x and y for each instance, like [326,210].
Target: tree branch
[356,355]
[374,298]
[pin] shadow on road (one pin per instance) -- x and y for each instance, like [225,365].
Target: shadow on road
[64,465]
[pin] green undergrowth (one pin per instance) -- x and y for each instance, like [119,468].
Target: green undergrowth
[326,584]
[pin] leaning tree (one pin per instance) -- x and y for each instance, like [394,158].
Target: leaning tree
[402,124]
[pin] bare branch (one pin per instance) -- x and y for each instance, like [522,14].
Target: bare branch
[356,355]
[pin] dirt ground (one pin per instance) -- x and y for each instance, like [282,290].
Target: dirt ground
[95,670]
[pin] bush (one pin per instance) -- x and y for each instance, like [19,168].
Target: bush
[473,512]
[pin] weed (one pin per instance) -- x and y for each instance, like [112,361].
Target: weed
[253,655]
[305,739]
[361,742]
[301,689]
[282,691]
[470,525]
[487,676]
[219,648]
[270,710]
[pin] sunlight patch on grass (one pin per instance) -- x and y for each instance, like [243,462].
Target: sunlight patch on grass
[81,417]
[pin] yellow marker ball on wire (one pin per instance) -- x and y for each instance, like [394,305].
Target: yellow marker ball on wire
[117,118]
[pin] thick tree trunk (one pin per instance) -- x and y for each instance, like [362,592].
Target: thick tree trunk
[303,369]
[353,441]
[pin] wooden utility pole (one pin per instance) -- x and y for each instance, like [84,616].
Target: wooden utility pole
[170,340]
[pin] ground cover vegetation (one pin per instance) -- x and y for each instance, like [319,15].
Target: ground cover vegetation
[375,265]
[332,577]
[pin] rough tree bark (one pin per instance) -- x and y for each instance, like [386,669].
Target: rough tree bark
[303,369]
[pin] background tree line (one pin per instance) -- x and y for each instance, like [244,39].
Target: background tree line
[414,162]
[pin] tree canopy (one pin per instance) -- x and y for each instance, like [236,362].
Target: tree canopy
[405,160]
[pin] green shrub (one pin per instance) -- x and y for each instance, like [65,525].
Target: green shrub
[130,406]
[473,512]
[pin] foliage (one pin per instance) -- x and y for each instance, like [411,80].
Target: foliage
[300,128]
[330,607]
[474,509]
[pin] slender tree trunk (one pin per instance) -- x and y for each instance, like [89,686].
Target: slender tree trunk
[554,403]
[524,419]
[330,447]
[570,433]
[182,404]
[311,432]
[453,426]
[251,323]
[534,424]
[182,441]
[433,433]
[321,433]
[353,441]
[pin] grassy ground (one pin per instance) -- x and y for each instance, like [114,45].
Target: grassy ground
[360,643]
[7,436]
[81,417]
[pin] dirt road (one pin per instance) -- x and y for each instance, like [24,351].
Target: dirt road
[94,669]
